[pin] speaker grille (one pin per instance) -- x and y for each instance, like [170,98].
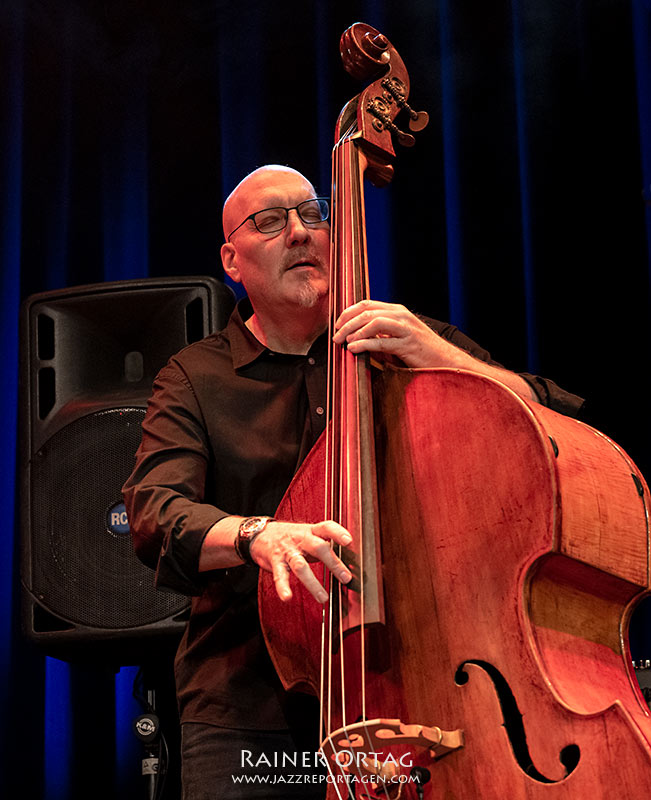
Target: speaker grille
[84,569]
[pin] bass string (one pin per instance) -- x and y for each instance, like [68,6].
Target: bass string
[349,193]
[331,467]
[345,227]
[326,619]
[332,501]
[358,273]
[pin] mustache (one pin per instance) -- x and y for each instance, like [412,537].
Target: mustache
[306,256]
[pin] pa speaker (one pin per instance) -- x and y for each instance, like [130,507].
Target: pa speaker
[89,356]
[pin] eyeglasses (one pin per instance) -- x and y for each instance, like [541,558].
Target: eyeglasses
[271,220]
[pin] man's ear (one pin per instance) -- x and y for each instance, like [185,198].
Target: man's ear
[228,262]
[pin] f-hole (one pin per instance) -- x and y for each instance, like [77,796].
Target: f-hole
[569,755]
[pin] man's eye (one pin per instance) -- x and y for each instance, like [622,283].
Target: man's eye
[270,219]
[311,214]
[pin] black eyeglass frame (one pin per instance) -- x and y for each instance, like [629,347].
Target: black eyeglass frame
[296,208]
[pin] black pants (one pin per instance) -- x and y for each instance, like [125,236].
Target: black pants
[227,764]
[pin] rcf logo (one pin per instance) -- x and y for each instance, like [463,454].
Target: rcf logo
[116,519]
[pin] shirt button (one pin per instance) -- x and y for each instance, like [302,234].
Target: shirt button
[319,410]
[311,361]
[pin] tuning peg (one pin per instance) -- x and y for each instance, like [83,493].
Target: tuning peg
[396,89]
[418,121]
[404,138]
[382,121]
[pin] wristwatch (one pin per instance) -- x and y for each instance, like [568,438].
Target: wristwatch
[246,533]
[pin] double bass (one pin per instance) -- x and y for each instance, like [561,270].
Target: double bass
[499,550]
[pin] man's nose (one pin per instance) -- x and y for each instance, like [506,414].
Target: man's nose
[297,230]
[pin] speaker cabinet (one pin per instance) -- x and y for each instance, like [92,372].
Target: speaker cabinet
[89,356]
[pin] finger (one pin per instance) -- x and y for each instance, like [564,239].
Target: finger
[352,311]
[317,549]
[388,346]
[280,571]
[362,319]
[364,306]
[329,529]
[380,327]
[390,322]
[298,565]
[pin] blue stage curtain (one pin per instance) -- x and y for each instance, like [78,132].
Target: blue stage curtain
[523,215]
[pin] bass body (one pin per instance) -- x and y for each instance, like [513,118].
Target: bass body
[514,548]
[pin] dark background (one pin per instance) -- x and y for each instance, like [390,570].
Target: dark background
[523,215]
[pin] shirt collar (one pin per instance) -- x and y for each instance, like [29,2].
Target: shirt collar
[245,348]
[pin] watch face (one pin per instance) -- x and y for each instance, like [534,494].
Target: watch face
[252,525]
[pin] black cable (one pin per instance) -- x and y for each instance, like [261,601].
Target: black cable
[163,764]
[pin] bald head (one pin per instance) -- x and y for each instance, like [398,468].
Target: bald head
[239,203]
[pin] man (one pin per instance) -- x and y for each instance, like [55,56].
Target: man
[230,420]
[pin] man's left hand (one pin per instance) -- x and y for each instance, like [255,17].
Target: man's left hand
[392,329]
[389,329]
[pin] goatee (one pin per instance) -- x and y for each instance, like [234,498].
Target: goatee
[308,294]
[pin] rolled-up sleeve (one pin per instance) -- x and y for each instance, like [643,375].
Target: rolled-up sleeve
[552,396]
[548,392]
[165,494]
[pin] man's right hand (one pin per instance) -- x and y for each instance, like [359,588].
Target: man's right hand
[282,548]
[285,547]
